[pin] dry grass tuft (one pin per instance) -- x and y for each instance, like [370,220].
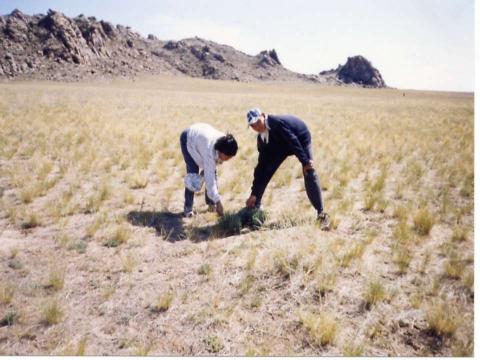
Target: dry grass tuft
[214,343]
[321,328]
[459,234]
[138,181]
[92,228]
[416,300]
[402,256]
[355,252]
[52,313]
[129,261]
[205,269]
[454,267]
[468,280]
[246,284]
[353,349]
[81,347]
[6,293]
[325,281]
[13,253]
[56,279]
[401,213]
[10,318]
[463,348]
[117,236]
[369,200]
[403,234]
[423,221]
[62,239]
[142,348]
[78,350]
[284,264]
[29,220]
[441,319]
[374,293]
[163,302]
[92,204]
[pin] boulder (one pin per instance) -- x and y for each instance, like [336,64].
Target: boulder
[11,66]
[122,30]
[108,28]
[209,71]
[219,57]
[200,53]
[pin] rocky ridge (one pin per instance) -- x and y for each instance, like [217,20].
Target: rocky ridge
[56,47]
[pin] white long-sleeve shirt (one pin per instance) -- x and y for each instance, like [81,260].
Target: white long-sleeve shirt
[201,139]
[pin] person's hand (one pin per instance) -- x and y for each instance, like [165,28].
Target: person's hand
[308,167]
[219,208]
[252,200]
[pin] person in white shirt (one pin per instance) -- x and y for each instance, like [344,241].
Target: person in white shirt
[203,147]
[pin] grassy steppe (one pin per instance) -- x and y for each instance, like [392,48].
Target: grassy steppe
[94,258]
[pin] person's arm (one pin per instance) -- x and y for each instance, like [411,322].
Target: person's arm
[295,145]
[210,179]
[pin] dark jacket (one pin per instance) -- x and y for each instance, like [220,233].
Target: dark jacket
[288,135]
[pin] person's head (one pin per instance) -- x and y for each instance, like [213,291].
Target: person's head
[227,147]
[256,120]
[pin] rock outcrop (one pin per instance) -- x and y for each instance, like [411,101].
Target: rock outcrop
[359,70]
[268,58]
[54,46]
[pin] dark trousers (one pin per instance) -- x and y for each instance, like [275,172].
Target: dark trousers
[312,182]
[192,168]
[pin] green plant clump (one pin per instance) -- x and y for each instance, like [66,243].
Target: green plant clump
[232,223]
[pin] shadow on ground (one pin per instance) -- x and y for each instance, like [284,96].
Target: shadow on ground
[167,224]
[208,232]
[170,226]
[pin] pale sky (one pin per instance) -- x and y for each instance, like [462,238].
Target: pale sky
[416,44]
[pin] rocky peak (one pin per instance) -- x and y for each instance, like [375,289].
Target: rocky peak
[16,26]
[17,14]
[268,58]
[360,71]
[170,45]
[108,28]
[66,31]
[93,33]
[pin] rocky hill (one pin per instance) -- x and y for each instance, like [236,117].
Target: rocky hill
[56,47]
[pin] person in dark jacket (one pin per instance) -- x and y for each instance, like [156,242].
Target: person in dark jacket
[279,137]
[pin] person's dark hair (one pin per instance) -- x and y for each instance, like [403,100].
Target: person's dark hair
[227,145]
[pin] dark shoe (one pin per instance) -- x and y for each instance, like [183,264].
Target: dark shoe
[188,214]
[324,221]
